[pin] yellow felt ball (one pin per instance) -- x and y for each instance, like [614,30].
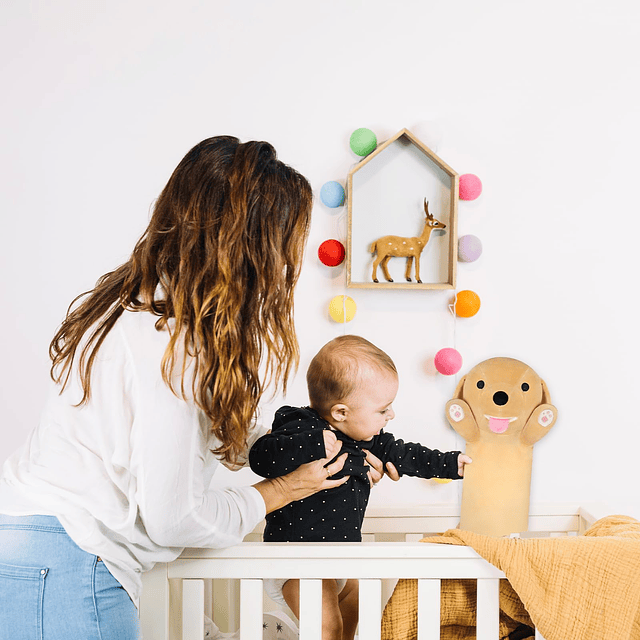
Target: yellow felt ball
[442,480]
[342,309]
[467,303]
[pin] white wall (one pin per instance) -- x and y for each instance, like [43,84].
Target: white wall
[101,101]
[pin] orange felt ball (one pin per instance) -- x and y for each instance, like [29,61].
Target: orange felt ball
[467,303]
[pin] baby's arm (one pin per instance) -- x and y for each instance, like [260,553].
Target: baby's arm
[414,459]
[276,454]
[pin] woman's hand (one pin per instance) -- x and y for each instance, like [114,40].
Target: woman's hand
[306,480]
[376,470]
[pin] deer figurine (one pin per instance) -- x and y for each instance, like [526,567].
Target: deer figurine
[409,248]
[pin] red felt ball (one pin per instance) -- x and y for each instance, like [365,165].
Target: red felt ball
[448,361]
[331,253]
[470,186]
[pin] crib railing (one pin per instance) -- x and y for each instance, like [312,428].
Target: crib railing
[173,602]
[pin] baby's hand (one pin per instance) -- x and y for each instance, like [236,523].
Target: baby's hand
[462,460]
[332,445]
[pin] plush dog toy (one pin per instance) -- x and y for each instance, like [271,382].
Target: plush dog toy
[501,408]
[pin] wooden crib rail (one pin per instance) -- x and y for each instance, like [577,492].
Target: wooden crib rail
[173,602]
[369,562]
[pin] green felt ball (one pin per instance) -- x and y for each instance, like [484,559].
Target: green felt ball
[363,142]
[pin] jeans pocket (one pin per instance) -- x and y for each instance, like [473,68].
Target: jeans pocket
[21,595]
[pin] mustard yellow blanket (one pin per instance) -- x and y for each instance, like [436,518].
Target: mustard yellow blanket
[571,588]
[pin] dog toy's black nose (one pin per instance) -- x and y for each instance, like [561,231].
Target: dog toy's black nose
[500,398]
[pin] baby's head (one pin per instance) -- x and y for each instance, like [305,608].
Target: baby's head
[352,385]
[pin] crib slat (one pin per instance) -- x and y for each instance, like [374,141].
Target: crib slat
[413,537]
[488,609]
[310,610]
[429,609]
[193,610]
[154,603]
[370,609]
[250,609]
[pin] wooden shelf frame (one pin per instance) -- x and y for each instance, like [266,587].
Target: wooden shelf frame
[452,231]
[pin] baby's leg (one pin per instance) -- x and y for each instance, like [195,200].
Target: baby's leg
[348,603]
[332,625]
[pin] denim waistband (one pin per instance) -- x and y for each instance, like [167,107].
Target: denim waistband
[33,523]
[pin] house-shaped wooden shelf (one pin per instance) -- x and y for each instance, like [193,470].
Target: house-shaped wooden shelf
[386,193]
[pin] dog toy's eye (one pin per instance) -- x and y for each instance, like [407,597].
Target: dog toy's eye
[480,384]
[525,386]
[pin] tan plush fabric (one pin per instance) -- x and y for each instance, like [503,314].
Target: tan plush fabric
[574,588]
[458,611]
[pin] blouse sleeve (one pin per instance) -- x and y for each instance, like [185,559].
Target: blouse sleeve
[176,505]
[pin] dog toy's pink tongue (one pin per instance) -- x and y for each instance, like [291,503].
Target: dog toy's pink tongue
[498,425]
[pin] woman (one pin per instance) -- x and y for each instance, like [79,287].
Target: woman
[157,375]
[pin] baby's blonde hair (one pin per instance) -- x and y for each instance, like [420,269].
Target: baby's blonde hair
[336,370]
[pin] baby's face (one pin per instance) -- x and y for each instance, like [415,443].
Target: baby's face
[369,408]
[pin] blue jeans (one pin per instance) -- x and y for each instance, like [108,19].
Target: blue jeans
[50,589]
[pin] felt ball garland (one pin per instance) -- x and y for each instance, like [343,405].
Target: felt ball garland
[469,248]
[331,253]
[342,309]
[448,361]
[363,142]
[467,303]
[470,186]
[332,194]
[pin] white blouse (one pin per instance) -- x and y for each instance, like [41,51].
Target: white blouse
[128,474]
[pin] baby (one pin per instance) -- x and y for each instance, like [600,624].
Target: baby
[352,385]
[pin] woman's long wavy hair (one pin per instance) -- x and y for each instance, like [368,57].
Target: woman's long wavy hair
[225,243]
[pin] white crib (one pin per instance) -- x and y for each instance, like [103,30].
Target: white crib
[177,596]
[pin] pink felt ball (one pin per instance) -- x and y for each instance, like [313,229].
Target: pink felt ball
[331,253]
[470,186]
[448,361]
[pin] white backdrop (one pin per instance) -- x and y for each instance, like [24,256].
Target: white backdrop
[540,100]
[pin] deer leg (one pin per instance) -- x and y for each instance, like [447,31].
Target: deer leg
[418,269]
[383,264]
[407,271]
[376,262]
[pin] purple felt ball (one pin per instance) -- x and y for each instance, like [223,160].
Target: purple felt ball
[470,186]
[469,248]
[448,361]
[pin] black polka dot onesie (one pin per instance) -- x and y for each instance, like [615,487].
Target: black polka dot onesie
[333,515]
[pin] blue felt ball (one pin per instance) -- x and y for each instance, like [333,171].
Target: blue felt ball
[332,194]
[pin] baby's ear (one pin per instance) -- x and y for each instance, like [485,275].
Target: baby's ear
[339,412]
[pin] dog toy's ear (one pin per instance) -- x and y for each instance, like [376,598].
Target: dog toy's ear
[541,420]
[460,416]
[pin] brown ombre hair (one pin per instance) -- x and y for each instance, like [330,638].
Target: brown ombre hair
[225,244]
